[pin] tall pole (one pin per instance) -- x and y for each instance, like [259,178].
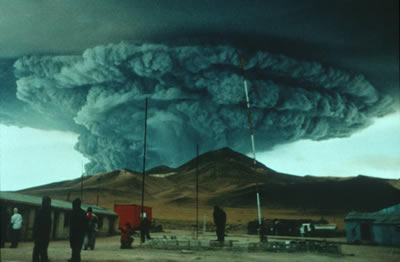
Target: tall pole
[82,183]
[82,187]
[252,145]
[197,191]
[98,190]
[144,158]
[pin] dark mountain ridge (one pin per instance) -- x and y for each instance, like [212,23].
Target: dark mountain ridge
[228,178]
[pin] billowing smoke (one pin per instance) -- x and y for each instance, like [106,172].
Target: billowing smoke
[195,96]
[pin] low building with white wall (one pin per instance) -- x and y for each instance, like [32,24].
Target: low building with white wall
[60,211]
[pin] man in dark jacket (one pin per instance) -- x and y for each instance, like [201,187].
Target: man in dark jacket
[219,220]
[78,226]
[145,225]
[5,222]
[41,231]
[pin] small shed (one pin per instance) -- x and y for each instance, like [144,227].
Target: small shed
[381,228]
[28,206]
[130,213]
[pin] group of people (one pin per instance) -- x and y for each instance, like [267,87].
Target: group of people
[82,229]
[128,231]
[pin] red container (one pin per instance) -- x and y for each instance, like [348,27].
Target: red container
[131,214]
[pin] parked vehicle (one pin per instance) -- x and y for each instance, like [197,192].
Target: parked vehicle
[314,230]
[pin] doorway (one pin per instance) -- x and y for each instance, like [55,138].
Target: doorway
[55,223]
[365,232]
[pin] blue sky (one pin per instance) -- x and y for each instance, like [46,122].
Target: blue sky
[374,151]
[31,157]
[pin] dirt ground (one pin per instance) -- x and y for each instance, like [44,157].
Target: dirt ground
[107,249]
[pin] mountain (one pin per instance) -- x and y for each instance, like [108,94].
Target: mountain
[228,178]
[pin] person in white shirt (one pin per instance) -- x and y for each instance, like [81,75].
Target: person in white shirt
[16,224]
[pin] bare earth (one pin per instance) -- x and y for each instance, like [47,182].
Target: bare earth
[107,249]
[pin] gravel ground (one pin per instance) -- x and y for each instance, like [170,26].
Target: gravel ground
[107,249]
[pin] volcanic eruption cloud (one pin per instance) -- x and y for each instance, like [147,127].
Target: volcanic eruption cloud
[195,96]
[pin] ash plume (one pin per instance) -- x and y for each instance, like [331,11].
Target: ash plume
[195,96]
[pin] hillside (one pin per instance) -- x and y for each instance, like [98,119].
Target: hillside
[227,178]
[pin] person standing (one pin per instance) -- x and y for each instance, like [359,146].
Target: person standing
[78,226]
[5,221]
[219,220]
[16,224]
[145,228]
[90,237]
[41,231]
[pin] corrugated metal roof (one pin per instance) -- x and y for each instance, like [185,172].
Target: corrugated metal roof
[376,218]
[37,201]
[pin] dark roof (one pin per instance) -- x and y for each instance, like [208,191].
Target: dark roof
[37,201]
[390,210]
[375,218]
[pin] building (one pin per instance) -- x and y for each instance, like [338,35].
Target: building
[28,205]
[381,228]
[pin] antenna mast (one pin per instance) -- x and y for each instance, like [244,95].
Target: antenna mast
[252,145]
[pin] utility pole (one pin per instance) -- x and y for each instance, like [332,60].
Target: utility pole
[82,182]
[197,191]
[144,158]
[98,190]
[252,146]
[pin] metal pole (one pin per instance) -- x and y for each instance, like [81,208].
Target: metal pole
[98,191]
[197,191]
[82,187]
[144,158]
[204,224]
[82,183]
[252,145]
